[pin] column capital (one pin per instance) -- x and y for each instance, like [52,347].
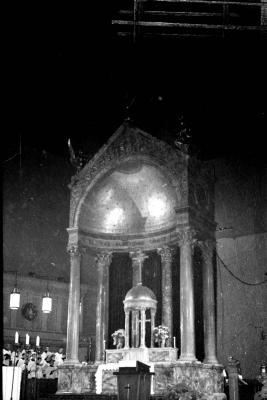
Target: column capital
[138,256]
[207,246]
[232,365]
[74,250]
[165,253]
[103,258]
[187,236]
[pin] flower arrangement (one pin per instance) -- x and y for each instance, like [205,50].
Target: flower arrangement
[118,338]
[183,392]
[161,334]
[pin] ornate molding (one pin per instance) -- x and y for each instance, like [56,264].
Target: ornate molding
[165,254]
[128,244]
[74,250]
[207,247]
[103,258]
[187,236]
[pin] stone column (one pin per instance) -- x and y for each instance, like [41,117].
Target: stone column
[187,312]
[135,328]
[143,327]
[166,284]
[73,307]
[103,261]
[138,258]
[81,315]
[152,313]
[208,302]
[232,369]
[127,330]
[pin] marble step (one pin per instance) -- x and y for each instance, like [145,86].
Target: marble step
[88,397]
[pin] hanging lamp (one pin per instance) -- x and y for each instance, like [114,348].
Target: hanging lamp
[47,302]
[15,296]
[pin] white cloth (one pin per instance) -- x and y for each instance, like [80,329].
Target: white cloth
[31,367]
[99,374]
[7,377]
[45,354]
[21,364]
[45,365]
[58,359]
[39,372]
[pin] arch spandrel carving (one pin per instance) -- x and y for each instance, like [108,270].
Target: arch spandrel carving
[128,142]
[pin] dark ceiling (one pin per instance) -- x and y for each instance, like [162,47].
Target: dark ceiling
[69,75]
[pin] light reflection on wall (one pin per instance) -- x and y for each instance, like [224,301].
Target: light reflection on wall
[114,217]
[135,198]
[157,205]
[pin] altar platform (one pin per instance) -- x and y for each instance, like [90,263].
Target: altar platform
[100,379]
[91,397]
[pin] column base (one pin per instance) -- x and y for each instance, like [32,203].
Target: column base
[211,360]
[185,358]
[72,362]
[99,362]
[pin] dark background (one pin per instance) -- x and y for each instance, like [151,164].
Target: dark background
[69,76]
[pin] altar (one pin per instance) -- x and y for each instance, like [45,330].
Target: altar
[140,197]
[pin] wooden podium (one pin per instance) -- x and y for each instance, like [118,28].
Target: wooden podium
[134,382]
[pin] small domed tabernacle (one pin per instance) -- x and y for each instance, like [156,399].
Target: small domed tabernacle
[139,301]
[140,292]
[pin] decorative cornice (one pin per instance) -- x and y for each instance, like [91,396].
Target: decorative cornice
[129,244]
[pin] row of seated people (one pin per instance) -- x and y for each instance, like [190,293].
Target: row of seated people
[36,363]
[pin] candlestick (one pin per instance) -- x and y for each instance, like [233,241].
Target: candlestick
[37,341]
[27,339]
[174,342]
[17,338]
